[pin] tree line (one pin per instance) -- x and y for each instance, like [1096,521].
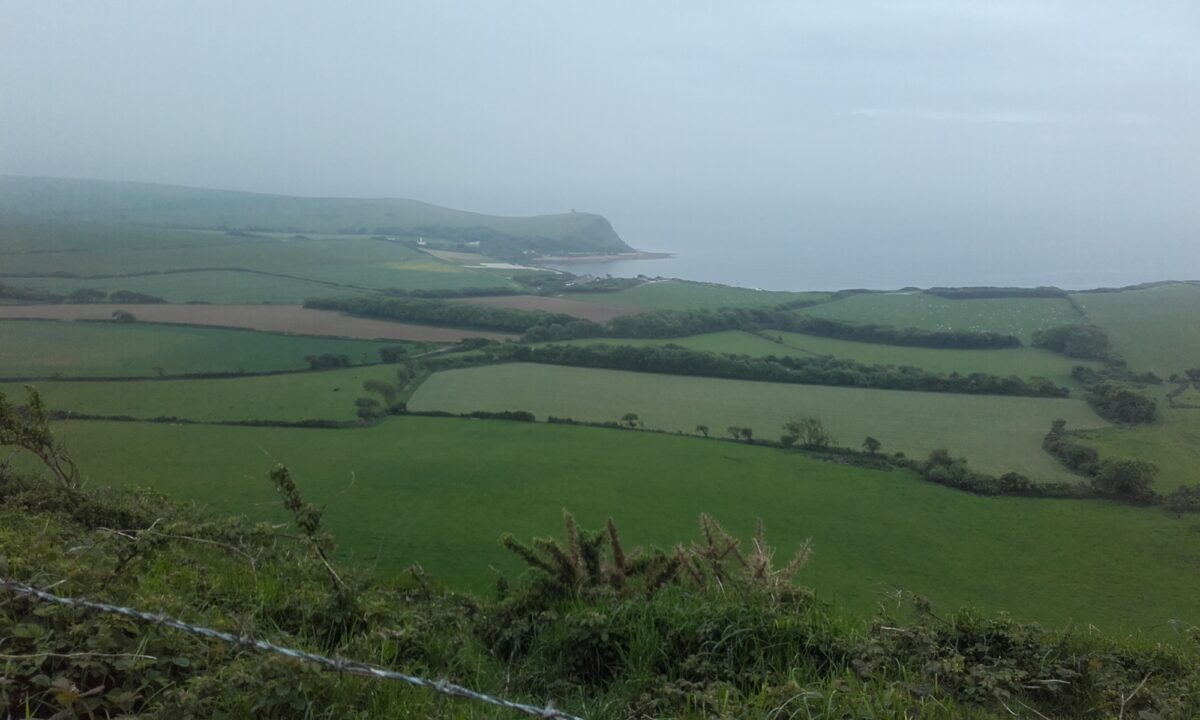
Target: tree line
[433,312]
[817,370]
[80,296]
[540,326]
[989,292]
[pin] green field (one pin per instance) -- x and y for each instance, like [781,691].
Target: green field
[686,295]
[104,249]
[1011,316]
[1024,362]
[1172,443]
[291,397]
[41,348]
[996,434]
[1156,329]
[441,491]
[174,207]
[222,287]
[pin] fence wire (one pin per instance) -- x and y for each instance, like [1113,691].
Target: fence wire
[353,667]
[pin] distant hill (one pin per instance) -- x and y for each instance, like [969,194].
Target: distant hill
[185,207]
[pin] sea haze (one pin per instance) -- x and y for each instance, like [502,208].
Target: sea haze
[857,255]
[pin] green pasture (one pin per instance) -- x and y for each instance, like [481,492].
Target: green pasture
[41,348]
[1011,316]
[996,434]
[1189,398]
[185,207]
[1156,329]
[1172,443]
[1023,362]
[118,249]
[292,397]
[441,491]
[687,295]
[221,287]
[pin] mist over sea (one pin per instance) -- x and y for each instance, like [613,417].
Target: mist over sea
[864,255]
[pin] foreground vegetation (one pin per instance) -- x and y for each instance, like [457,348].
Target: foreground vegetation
[718,627]
[387,491]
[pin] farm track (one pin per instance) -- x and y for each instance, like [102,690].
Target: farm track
[288,319]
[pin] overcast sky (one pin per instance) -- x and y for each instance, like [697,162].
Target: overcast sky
[938,132]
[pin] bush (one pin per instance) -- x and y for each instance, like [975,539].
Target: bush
[1077,341]
[1184,499]
[1121,403]
[1125,478]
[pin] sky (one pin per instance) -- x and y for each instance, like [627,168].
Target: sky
[829,144]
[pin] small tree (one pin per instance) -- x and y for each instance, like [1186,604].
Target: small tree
[631,420]
[368,408]
[809,432]
[747,434]
[734,431]
[388,391]
[702,430]
[1126,478]
[123,316]
[28,427]
[871,445]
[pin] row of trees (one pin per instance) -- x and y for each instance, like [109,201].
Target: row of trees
[434,312]
[539,326]
[680,323]
[985,292]
[83,295]
[816,370]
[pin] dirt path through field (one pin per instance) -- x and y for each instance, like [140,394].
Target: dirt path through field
[290,319]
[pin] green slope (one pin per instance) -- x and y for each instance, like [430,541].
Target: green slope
[441,491]
[40,348]
[173,206]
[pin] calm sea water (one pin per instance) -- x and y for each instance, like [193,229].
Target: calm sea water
[790,268]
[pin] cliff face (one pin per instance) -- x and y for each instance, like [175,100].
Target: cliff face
[183,207]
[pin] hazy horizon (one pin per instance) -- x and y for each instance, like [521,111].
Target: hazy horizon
[804,144]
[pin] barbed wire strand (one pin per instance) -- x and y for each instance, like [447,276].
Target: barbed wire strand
[353,667]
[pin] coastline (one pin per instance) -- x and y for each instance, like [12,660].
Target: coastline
[616,257]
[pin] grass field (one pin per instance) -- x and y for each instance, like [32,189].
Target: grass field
[686,295]
[1011,316]
[1172,443]
[441,491]
[40,348]
[1156,329]
[293,397]
[996,434]
[118,249]
[174,206]
[219,287]
[1189,398]
[1023,362]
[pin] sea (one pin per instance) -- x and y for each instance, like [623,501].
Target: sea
[770,266]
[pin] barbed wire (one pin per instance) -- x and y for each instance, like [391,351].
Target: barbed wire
[353,667]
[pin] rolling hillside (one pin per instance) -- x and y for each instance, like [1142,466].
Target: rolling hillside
[183,207]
